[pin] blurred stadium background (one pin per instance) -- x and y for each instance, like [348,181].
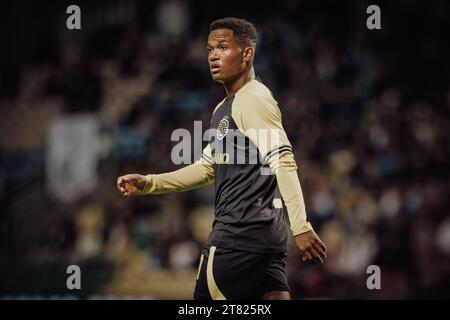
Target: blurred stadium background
[368,114]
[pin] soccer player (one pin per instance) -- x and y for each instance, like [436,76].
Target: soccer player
[245,255]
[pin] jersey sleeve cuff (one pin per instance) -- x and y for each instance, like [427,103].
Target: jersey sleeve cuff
[148,184]
[296,230]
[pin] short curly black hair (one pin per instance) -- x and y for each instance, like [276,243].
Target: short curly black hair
[243,30]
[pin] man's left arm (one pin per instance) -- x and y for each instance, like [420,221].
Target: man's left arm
[262,113]
[309,244]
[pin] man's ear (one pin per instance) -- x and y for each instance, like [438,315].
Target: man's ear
[248,54]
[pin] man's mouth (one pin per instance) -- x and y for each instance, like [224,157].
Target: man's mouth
[215,69]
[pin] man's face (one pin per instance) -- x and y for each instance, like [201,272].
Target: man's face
[224,55]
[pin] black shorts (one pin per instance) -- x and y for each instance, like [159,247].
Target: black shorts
[232,274]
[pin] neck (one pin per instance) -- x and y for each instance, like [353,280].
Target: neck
[234,86]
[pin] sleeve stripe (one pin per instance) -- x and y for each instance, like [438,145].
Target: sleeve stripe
[207,159]
[276,151]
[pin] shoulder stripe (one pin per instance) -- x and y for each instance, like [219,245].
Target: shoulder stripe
[207,159]
[277,150]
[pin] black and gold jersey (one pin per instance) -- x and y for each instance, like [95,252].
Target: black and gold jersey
[249,159]
[246,132]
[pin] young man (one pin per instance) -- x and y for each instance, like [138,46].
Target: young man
[245,255]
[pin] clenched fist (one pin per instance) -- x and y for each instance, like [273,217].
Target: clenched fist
[131,184]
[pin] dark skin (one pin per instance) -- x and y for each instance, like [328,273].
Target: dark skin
[231,63]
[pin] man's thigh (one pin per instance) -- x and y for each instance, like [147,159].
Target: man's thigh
[232,274]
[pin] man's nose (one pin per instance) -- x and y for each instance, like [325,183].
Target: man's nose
[213,55]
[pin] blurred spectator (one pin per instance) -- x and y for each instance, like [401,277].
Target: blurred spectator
[73,152]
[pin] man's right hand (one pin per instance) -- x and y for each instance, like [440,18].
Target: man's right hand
[131,184]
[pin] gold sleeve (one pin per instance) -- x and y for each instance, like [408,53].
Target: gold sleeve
[291,191]
[257,115]
[259,118]
[194,176]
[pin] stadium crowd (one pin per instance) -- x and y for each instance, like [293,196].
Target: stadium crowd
[368,115]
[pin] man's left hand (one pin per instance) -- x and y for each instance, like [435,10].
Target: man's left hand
[311,247]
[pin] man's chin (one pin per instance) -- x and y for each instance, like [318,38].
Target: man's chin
[217,77]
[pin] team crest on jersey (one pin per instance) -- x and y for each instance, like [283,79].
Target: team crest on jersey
[222,129]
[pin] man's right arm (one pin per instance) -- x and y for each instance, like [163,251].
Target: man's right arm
[194,176]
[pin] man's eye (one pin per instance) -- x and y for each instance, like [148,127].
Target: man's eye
[223,48]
